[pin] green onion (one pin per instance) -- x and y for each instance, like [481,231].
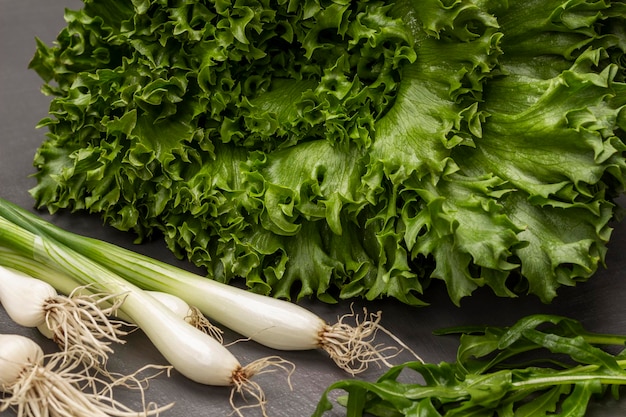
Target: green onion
[65,284]
[193,353]
[275,323]
[78,323]
[26,374]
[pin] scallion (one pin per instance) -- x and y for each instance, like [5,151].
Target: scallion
[26,374]
[77,322]
[190,351]
[275,323]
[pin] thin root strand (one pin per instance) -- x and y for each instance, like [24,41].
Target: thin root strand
[243,385]
[58,387]
[199,321]
[352,347]
[81,322]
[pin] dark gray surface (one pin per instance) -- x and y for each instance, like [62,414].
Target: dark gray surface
[599,304]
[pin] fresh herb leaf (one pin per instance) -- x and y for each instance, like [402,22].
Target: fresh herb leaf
[489,378]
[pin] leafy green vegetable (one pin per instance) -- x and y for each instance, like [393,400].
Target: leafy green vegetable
[567,369]
[346,148]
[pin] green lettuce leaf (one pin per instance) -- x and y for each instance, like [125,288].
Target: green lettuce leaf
[346,149]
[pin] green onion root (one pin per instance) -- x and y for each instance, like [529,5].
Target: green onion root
[243,385]
[50,385]
[200,322]
[81,322]
[352,347]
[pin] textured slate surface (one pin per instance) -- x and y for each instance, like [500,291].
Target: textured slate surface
[599,304]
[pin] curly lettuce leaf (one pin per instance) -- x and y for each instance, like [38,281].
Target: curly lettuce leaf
[346,149]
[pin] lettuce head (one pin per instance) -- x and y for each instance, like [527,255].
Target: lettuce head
[346,148]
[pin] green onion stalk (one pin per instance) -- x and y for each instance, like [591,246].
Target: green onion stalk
[193,353]
[276,323]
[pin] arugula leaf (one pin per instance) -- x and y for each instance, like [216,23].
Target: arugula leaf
[488,379]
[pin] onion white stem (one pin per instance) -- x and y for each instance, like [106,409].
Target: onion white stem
[26,374]
[190,314]
[24,298]
[191,352]
[275,323]
[77,322]
[17,263]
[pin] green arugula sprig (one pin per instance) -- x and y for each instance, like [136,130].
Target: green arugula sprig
[541,365]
